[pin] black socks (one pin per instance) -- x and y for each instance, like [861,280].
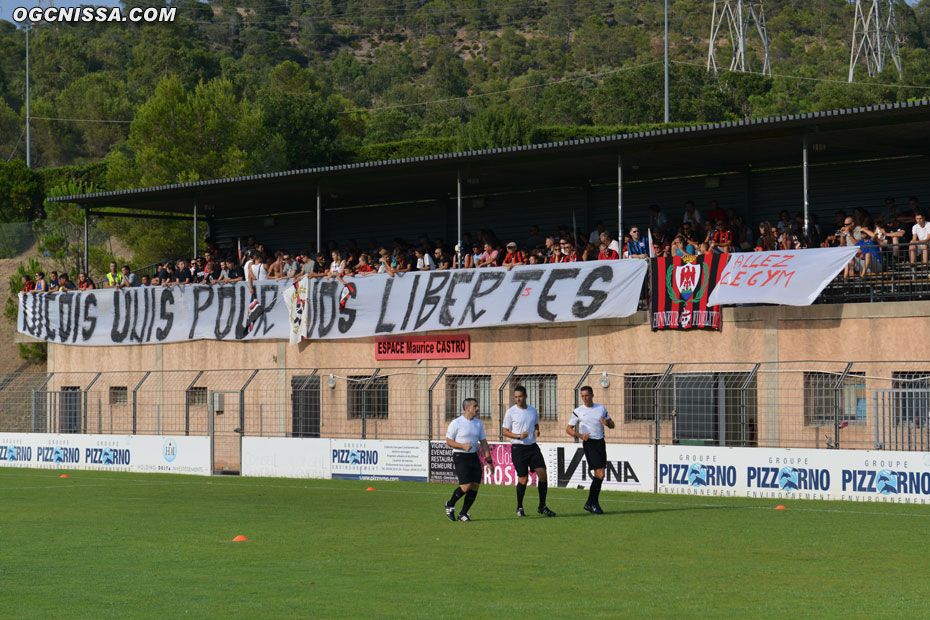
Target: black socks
[595,491]
[521,491]
[469,500]
[543,489]
[456,494]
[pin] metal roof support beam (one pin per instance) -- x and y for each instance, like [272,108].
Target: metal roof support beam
[804,174]
[195,230]
[620,202]
[319,220]
[86,215]
[458,186]
[147,216]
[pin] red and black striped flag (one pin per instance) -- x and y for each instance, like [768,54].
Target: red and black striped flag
[680,289]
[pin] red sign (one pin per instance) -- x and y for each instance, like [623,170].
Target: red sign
[423,348]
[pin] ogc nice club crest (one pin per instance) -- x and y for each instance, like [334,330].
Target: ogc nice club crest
[688,281]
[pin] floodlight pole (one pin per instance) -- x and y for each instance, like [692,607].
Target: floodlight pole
[806,199]
[28,140]
[666,62]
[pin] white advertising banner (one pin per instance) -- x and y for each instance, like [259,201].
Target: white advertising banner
[155,314]
[286,457]
[373,459]
[630,467]
[850,475]
[379,305]
[133,453]
[788,277]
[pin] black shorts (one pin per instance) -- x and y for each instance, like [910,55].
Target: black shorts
[595,453]
[467,467]
[526,457]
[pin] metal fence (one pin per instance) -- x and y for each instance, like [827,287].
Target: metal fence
[856,405]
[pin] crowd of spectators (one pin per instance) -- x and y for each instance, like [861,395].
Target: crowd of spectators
[715,231]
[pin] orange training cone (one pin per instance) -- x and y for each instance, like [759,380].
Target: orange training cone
[370,489]
[780,508]
[240,538]
[64,475]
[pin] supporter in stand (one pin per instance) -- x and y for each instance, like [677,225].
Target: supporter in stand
[595,236]
[399,261]
[868,258]
[129,279]
[364,265]
[767,241]
[338,265]
[182,274]
[551,248]
[692,215]
[680,247]
[442,259]
[514,256]
[255,270]
[606,252]
[171,277]
[534,240]
[290,266]
[385,264]
[722,239]
[65,283]
[113,276]
[29,284]
[611,243]
[41,285]
[425,262]
[638,247]
[53,282]
[234,271]
[536,258]
[715,212]
[784,220]
[567,251]
[589,252]
[657,220]
[208,276]
[145,280]
[920,236]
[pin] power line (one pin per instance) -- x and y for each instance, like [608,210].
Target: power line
[76,120]
[17,144]
[810,79]
[499,92]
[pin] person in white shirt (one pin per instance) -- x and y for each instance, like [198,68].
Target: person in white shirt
[920,236]
[254,271]
[465,434]
[425,262]
[521,425]
[591,419]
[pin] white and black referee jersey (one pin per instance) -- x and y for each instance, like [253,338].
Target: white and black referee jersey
[590,420]
[517,420]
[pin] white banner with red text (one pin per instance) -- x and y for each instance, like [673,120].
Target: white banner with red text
[787,277]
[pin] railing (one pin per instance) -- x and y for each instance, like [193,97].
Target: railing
[861,405]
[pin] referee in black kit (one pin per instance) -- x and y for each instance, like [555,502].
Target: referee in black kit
[465,433]
[521,425]
[592,419]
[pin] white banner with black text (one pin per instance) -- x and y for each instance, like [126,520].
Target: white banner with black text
[380,305]
[155,314]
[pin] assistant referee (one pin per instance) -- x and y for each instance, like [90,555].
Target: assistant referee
[465,434]
[521,425]
[591,419]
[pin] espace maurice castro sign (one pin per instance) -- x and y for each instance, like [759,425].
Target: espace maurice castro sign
[423,348]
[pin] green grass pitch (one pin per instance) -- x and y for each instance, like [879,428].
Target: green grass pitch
[111,545]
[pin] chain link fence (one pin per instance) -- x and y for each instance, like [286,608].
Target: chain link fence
[813,404]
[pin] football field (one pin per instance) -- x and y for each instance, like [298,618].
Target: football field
[112,545]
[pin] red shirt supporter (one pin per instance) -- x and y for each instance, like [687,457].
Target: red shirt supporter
[607,254]
[365,269]
[29,285]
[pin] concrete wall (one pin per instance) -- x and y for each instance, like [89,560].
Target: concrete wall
[890,337]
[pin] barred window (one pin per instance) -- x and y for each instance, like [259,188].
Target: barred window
[368,396]
[820,398]
[542,392]
[119,395]
[305,406]
[197,396]
[639,397]
[912,397]
[460,387]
